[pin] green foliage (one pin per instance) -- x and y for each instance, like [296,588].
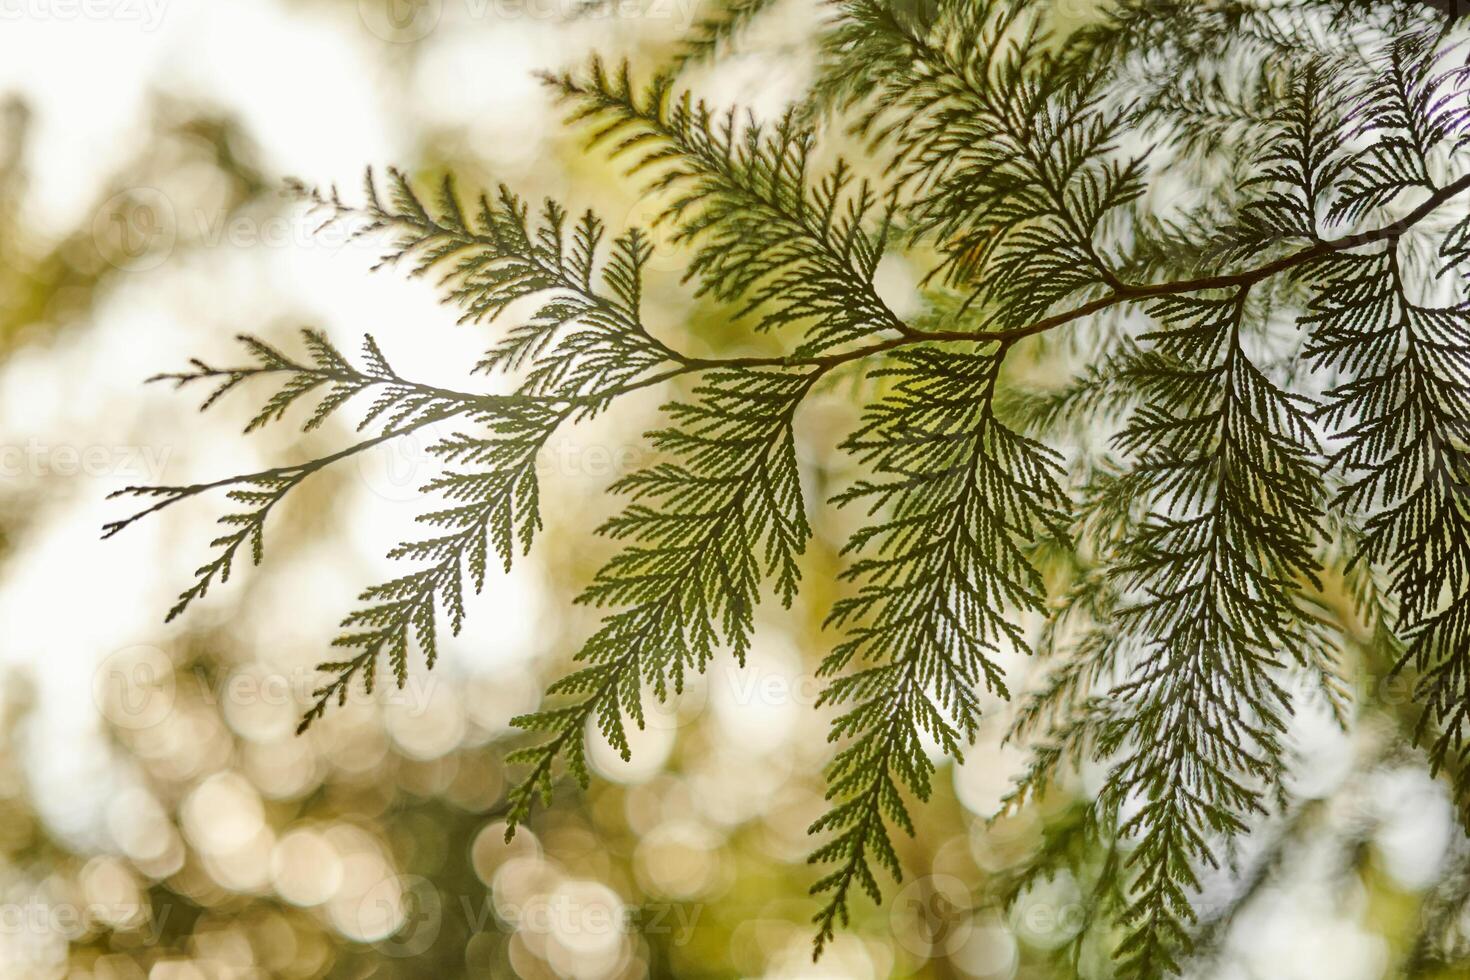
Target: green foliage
[583,345]
[701,531]
[401,406]
[763,231]
[956,495]
[1165,514]
[712,35]
[1216,569]
[1404,430]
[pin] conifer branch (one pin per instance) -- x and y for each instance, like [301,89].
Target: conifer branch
[402,406]
[762,228]
[960,495]
[1013,168]
[1217,575]
[1404,434]
[702,531]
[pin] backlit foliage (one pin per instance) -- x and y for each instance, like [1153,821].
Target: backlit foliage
[1250,377]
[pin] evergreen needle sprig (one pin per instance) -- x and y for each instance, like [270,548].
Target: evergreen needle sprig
[402,406]
[762,229]
[960,495]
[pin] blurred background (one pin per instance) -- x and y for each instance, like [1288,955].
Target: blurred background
[158,816]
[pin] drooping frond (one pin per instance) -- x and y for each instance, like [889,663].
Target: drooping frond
[955,497]
[1402,429]
[702,530]
[1212,581]
[583,345]
[491,512]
